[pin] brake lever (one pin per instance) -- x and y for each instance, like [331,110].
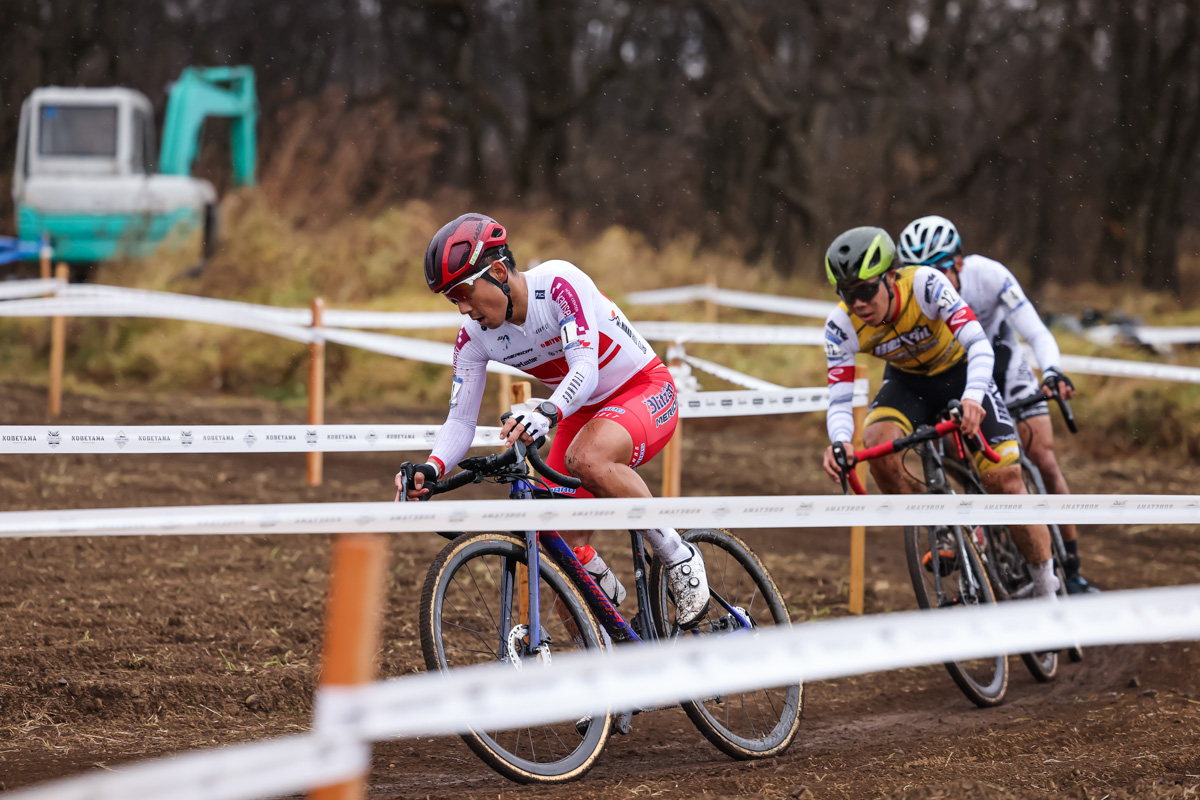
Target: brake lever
[839,455]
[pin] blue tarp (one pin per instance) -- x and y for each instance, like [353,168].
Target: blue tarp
[16,250]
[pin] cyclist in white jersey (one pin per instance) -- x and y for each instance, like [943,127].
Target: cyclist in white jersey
[1004,311]
[614,403]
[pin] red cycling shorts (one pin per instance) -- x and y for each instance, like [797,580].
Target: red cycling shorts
[647,406]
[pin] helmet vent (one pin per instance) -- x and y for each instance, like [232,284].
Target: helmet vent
[459,253]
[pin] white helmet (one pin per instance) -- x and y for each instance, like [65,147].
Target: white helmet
[928,240]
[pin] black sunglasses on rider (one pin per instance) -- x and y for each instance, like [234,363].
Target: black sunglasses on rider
[864,291]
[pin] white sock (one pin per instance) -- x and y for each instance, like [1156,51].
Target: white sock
[667,545]
[1045,582]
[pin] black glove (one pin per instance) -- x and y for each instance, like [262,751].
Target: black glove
[1051,378]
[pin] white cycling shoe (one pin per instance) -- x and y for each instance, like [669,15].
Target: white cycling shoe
[689,587]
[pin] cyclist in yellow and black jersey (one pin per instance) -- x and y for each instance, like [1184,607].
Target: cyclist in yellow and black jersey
[936,351]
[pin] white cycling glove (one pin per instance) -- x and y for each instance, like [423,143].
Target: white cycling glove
[536,424]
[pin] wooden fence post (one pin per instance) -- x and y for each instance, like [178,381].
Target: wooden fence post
[858,533]
[505,394]
[352,621]
[44,258]
[672,477]
[316,390]
[58,347]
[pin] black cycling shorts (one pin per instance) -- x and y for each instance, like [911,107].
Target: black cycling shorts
[909,400]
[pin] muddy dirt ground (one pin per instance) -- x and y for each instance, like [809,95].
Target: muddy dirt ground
[115,649]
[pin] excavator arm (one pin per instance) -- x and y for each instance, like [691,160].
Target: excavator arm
[210,92]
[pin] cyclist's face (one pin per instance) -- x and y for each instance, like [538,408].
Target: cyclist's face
[480,300]
[867,300]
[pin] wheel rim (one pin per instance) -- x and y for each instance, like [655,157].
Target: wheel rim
[757,720]
[960,588]
[469,626]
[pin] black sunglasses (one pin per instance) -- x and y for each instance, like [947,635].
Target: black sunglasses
[864,292]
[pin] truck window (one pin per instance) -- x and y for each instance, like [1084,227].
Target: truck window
[77,131]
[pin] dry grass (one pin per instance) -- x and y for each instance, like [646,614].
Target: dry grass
[374,262]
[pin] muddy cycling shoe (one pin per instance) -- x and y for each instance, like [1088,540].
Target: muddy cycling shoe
[1077,584]
[688,584]
[946,557]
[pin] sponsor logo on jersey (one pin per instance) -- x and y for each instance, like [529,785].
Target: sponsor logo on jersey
[660,401]
[504,340]
[639,453]
[832,349]
[620,323]
[907,339]
[840,375]
[539,294]
[960,318]
[831,327]
[549,342]
[611,410]
[668,415]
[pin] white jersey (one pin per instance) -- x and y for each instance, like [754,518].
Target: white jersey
[574,339]
[1002,308]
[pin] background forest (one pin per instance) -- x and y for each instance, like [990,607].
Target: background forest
[1059,134]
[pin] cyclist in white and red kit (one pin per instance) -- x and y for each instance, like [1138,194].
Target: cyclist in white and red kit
[614,404]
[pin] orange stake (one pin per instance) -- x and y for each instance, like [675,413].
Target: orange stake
[352,621]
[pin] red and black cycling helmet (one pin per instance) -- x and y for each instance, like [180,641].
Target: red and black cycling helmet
[453,253]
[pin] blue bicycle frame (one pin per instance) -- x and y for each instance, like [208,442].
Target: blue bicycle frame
[597,601]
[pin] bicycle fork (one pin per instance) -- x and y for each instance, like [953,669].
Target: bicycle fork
[936,483]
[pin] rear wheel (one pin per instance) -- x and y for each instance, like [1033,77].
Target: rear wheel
[746,725]
[1035,485]
[470,614]
[959,580]
[1009,570]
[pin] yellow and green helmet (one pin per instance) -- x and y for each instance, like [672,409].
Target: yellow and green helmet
[859,254]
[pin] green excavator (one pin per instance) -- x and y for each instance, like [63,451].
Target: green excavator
[86,176]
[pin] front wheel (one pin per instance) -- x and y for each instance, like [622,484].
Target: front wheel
[959,580]
[747,725]
[471,614]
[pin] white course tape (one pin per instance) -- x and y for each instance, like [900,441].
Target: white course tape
[795,306]
[721,333]
[731,375]
[745,404]
[1112,334]
[31,288]
[337,318]
[270,768]
[497,696]
[226,438]
[401,347]
[217,314]
[772,511]
[1087,365]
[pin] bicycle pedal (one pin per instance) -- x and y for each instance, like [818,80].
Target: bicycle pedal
[622,722]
